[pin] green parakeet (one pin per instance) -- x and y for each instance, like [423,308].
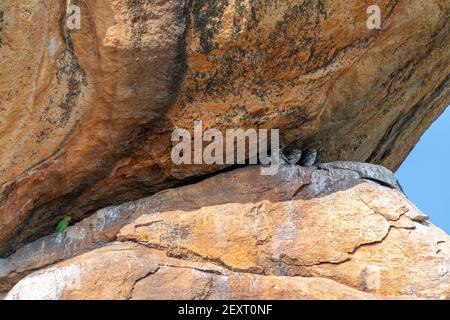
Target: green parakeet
[62,225]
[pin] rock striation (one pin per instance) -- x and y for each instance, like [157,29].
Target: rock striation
[305,233]
[86,115]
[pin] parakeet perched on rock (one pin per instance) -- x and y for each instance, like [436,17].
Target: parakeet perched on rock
[62,225]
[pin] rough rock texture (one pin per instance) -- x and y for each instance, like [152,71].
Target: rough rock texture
[137,272]
[86,115]
[306,233]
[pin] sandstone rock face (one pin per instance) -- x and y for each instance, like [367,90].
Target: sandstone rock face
[86,115]
[136,272]
[74,103]
[306,233]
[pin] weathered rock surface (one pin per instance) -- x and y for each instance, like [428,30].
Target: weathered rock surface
[136,272]
[86,115]
[306,233]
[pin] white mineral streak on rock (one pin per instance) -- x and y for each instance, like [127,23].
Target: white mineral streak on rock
[48,285]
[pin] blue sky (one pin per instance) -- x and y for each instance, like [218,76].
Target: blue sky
[425,174]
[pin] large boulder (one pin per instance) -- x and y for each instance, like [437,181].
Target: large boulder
[137,272]
[305,233]
[86,115]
